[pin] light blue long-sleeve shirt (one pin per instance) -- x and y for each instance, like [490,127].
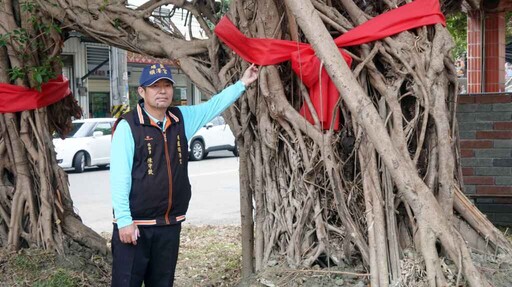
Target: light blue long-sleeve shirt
[123,147]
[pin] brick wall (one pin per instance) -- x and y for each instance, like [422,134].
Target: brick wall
[485,124]
[493,57]
[474,56]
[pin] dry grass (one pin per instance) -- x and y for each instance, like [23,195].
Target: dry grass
[39,268]
[507,231]
[209,256]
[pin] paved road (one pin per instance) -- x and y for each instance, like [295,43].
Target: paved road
[215,193]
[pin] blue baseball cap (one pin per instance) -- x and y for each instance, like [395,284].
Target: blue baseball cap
[154,72]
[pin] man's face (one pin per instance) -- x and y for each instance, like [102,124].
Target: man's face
[159,95]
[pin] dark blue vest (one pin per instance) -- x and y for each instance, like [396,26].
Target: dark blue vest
[160,190]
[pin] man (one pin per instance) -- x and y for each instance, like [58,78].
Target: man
[149,176]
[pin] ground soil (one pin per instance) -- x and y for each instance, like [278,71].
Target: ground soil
[211,256]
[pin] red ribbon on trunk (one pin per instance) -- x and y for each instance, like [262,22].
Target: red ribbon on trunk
[15,98]
[306,65]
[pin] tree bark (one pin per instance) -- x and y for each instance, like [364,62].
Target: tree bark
[35,204]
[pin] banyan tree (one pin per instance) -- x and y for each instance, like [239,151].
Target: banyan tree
[348,141]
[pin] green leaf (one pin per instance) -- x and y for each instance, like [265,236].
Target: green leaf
[28,7]
[117,23]
[16,73]
[56,27]
[35,22]
[3,40]
[38,78]
[20,35]
[457,26]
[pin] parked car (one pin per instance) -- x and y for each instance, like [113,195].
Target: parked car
[215,135]
[87,144]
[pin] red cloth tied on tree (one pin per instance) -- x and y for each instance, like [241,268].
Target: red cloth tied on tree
[15,98]
[306,65]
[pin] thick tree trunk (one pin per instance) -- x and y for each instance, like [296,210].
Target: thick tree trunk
[432,223]
[36,209]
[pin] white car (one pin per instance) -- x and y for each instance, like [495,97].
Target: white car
[87,144]
[215,135]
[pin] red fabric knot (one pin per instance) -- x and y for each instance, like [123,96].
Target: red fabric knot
[15,98]
[322,91]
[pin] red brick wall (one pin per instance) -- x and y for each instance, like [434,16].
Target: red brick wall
[494,52]
[474,53]
[485,128]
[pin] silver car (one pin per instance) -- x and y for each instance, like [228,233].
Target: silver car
[215,135]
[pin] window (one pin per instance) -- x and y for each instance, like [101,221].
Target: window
[217,121]
[98,56]
[106,128]
[99,105]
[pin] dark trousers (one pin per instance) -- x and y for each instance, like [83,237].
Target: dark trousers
[152,260]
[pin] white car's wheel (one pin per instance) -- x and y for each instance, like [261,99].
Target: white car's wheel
[197,150]
[79,162]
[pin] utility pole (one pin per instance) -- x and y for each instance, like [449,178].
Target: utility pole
[118,82]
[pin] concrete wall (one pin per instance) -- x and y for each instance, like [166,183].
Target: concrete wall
[485,123]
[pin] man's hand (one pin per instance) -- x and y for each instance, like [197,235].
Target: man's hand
[250,75]
[129,234]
